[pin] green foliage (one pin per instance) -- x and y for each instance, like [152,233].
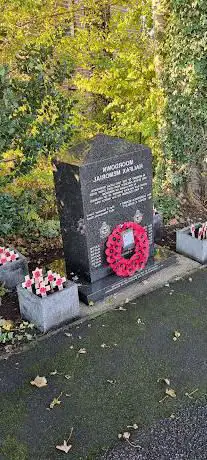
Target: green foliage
[185,84]
[35,112]
[29,22]
[24,215]
[167,204]
[117,89]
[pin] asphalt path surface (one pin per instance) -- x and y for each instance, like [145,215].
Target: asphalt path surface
[181,438]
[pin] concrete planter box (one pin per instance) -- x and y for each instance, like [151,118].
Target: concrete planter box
[51,311]
[13,273]
[191,247]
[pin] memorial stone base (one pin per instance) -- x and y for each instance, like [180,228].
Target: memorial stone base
[92,292]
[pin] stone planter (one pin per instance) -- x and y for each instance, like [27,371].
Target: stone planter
[13,273]
[51,311]
[191,247]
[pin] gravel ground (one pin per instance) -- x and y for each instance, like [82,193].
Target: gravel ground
[181,438]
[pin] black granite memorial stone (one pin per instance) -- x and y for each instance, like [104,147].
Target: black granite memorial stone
[99,184]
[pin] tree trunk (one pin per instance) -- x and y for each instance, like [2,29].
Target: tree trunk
[159,22]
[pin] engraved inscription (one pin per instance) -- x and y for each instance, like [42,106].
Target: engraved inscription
[95,256]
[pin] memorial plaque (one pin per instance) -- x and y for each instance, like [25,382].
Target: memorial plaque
[111,183]
[101,183]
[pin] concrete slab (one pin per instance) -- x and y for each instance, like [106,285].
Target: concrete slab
[182,267]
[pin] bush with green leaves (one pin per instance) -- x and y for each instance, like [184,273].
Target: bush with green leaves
[35,113]
[23,215]
[184,76]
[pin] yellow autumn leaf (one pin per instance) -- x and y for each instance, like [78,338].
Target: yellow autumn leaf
[170,392]
[6,324]
[55,402]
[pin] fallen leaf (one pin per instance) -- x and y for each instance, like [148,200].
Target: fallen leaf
[79,337]
[64,447]
[139,321]
[176,335]
[126,435]
[39,382]
[71,347]
[91,303]
[6,324]
[89,325]
[190,279]
[167,381]
[103,345]
[127,300]
[120,436]
[170,392]
[121,309]
[135,426]
[54,372]
[112,382]
[55,402]
[82,351]
[68,334]
[67,377]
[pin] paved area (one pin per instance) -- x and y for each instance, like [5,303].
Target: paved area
[181,438]
[114,383]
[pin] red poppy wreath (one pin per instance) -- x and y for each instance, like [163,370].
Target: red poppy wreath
[114,249]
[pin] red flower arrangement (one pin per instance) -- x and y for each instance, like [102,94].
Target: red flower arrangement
[119,264]
[7,255]
[41,285]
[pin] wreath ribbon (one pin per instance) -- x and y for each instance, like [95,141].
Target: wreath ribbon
[114,248]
